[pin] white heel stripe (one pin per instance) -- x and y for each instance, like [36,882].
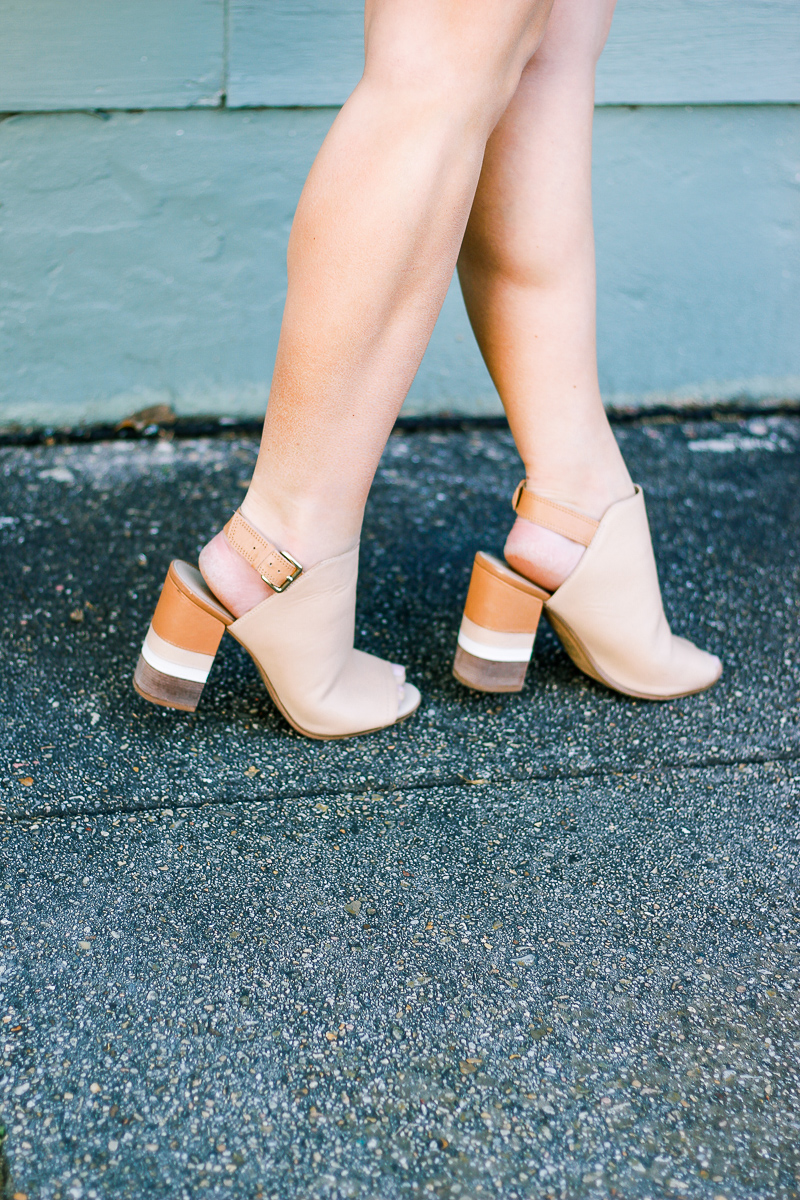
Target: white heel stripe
[176,670]
[495,653]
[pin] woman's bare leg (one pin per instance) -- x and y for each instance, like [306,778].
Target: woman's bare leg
[372,250]
[528,277]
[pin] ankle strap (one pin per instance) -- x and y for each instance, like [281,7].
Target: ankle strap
[275,568]
[565,521]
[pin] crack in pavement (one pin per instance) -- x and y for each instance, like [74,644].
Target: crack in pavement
[424,785]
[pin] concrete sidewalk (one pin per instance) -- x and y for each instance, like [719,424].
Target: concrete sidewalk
[533,946]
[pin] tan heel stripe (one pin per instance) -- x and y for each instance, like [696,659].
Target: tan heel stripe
[565,521]
[174,670]
[495,603]
[493,644]
[276,569]
[179,621]
[177,656]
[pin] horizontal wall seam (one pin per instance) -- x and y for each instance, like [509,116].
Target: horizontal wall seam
[223,106]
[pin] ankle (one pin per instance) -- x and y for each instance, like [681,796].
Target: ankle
[306,534]
[590,483]
[587,491]
[305,528]
[580,466]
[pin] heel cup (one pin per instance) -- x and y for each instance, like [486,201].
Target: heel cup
[166,690]
[486,675]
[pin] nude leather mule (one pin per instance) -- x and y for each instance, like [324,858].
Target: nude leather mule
[608,613]
[301,640]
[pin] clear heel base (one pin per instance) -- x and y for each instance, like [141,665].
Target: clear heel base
[488,675]
[166,690]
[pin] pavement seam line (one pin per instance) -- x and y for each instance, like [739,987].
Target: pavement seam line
[418,786]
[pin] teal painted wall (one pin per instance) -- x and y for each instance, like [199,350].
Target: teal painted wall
[142,253]
[284,52]
[57,54]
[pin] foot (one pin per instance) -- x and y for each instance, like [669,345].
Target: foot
[546,557]
[239,587]
[541,555]
[232,580]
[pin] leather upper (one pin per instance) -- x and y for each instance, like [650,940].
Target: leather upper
[303,642]
[609,613]
[502,600]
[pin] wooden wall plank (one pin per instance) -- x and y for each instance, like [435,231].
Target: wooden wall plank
[289,52]
[702,52]
[302,52]
[96,54]
[169,53]
[142,260]
[698,253]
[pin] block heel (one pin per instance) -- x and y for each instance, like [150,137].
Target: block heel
[182,641]
[498,629]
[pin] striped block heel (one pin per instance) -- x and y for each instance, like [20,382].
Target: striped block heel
[182,640]
[498,629]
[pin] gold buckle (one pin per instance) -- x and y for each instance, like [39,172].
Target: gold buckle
[290,578]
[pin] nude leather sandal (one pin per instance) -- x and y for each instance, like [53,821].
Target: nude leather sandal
[608,613]
[301,640]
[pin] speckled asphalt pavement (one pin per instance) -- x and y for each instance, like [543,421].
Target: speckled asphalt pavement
[543,945]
